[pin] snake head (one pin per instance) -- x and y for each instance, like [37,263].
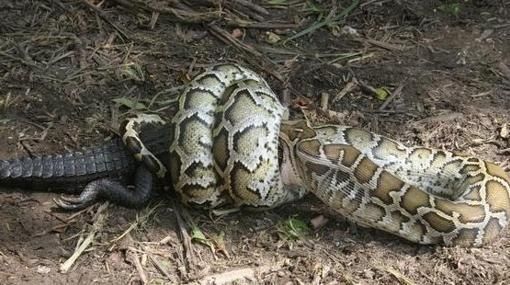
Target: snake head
[288,166]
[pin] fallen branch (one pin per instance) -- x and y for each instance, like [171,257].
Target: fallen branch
[189,259]
[232,276]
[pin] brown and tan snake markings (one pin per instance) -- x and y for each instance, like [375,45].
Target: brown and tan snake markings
[231,147]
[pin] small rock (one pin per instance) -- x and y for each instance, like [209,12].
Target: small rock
[43,269]
[368,273]
[237,33]
[318,222]
[504,131]
[272,38]
[115,258]
[350,31]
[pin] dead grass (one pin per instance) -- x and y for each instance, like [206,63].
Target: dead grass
[70,71]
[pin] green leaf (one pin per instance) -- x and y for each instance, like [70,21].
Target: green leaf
[198,236]
[450,8]
[294,228]
[382,93]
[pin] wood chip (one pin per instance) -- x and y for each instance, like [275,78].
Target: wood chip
[324,105]
[232,276]
[347,88]
[504,69]
[504,131]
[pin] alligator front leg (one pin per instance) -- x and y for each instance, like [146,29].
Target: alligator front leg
[112,190]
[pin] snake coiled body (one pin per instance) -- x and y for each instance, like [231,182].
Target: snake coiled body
[225,146]
[231,147]
[424,195]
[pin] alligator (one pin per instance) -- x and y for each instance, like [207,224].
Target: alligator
[101,172]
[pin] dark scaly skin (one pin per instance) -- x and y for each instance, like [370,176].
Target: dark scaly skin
[103,170]
[68,172]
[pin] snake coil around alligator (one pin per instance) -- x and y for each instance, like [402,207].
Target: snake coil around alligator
[231,146]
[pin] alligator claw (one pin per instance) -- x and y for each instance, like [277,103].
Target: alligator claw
[111,190]
[70,199]
[72,204]
[88,196]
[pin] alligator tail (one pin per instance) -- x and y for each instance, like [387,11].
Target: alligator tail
[70,171]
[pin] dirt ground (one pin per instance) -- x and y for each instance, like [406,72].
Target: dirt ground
[71,70]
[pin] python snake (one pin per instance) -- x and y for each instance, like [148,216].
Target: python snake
[231,146]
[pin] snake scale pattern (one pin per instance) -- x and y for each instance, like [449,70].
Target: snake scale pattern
[231,146]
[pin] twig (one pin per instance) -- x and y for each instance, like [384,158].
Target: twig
[65,222]
[186,239]
[154,20]
[347,88]
[185,16]
[367,88]
[402,279]
[161,269]
[138,266]
[229,39]
[393,95]
[384,45]
[73,216]
[82,58]
[41,137]
[327,21]
[25,62]
[448,116]
[229,277]
[96,226]
[105,18]
[252,6]
[259,25]
[504,69]
[481,94]
[139,220]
